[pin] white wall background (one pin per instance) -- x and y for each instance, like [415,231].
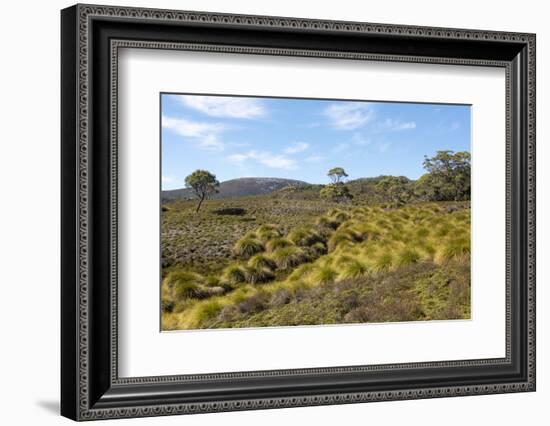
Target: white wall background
[29,213]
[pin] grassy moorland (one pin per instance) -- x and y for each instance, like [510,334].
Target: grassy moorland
[297,261]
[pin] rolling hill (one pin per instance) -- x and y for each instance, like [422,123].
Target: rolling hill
[238,188]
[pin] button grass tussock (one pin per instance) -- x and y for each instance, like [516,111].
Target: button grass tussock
[356,264]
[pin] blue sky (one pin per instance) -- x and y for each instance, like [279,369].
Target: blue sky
[302,139]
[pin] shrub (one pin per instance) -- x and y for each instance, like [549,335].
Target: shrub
[246,247]
[278,243]
[304,236]
[289,257]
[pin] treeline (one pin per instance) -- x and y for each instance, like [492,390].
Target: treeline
[447,178]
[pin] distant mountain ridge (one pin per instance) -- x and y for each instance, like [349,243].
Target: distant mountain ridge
[240,187]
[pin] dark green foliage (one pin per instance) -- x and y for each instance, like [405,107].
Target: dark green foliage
[448,177]
[336,192]
[203,183]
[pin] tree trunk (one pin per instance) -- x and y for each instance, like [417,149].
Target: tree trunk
[200,203]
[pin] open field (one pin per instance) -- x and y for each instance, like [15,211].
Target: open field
[294,259]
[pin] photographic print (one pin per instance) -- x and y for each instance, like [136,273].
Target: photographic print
[296,212]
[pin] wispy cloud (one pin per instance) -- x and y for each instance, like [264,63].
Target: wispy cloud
[268,159]
[225,106]
[349,115]
[296,148]
[390,125]
[206,135]
[167,179]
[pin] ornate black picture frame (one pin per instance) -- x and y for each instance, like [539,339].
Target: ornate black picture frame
[91,37]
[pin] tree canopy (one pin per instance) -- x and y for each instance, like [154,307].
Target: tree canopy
[448,176]
[337,174]
[203,183]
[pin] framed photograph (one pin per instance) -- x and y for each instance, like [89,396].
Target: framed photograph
[263,212]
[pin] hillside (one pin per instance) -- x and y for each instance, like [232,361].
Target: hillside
[238,188]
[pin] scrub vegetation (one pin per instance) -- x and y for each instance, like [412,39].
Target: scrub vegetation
[390,249]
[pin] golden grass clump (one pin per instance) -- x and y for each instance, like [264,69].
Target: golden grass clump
[453,248]
[304,236]
[407,256]
[353,269]
[261,261]
[289,257]
[267,232]
[277,243]
[258,275]
[247,246]
[234,274]
[323,275]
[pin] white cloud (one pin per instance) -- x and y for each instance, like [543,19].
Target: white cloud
[204,134]
[167,179]
[395,125]
[296,148]
[268,159]
[349,115]
[225,106]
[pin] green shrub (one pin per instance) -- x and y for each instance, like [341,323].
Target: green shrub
[246,247]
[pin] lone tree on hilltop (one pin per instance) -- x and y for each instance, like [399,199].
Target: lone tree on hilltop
[337,174]
[337,190]
[203,183]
